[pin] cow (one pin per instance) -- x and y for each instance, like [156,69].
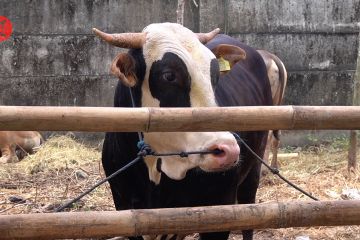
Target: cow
[168,65]
[14,145]
[277,75]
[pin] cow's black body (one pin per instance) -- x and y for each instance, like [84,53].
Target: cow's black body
[245,85]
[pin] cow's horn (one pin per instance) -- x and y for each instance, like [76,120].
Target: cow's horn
[123,40]
[205,37]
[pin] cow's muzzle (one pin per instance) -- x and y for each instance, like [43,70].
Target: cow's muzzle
[226,157]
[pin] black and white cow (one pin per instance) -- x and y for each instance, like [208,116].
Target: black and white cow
[168,66]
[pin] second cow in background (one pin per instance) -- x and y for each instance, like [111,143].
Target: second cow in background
[14,145]
[277,75]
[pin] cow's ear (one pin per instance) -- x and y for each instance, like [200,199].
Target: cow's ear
[123,67]
[231,53]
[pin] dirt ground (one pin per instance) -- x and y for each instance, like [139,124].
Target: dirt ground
[64,168]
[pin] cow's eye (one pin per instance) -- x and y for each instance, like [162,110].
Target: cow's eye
[168,76]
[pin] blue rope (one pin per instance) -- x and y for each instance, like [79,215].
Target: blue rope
[140,144]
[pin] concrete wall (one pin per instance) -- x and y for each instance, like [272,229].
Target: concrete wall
[317,40]
[53,58]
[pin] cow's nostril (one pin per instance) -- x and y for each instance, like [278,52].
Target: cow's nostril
[218,152]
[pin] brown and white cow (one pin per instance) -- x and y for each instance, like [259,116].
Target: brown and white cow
[14,145]
[168,65]
[278,78]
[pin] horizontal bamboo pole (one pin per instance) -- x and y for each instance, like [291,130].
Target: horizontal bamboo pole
[97,119]
[179,220]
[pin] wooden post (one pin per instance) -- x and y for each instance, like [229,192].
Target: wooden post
[179,220]
[180,12]
[352,163]
[97,119]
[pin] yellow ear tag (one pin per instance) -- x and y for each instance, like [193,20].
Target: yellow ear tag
[224,65]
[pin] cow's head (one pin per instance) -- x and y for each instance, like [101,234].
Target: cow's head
[179,72]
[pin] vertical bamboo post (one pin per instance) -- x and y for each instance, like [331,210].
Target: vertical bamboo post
[352,151]
[180,12]
[352,163]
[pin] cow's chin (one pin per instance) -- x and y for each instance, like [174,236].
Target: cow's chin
[211,168]
[174,167]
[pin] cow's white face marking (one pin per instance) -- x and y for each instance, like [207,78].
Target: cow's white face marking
[173,38]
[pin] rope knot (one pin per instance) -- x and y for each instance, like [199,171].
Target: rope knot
[183,154]
[274,170]
[140,144]
[144,149]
